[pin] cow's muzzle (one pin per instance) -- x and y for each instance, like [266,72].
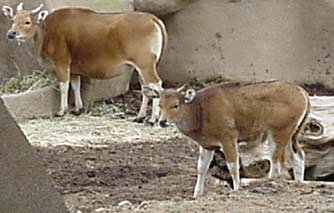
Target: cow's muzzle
[11,34]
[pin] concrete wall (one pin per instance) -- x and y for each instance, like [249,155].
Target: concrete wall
[251,40]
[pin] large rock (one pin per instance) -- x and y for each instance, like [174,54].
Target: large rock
[160,7]
[100,5]
[251,40]
[24,184]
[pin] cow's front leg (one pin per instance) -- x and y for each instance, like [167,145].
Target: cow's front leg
[203,163]
[63,86]
[62,73]
[76,85]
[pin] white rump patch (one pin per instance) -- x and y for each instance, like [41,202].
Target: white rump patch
[157,41]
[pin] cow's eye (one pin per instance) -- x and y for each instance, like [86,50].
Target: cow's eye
[28,23]
[176,106]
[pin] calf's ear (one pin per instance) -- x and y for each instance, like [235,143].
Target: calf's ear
[189,95]
[149,92]
[7,11]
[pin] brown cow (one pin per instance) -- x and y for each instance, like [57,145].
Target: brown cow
[219,116]
[73,42]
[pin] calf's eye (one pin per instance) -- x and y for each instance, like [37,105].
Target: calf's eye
[28,23]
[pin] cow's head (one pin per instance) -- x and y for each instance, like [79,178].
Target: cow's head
[25,23]
[171,103]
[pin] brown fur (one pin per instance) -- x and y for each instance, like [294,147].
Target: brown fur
[95,45]
[72,42]
[221,115]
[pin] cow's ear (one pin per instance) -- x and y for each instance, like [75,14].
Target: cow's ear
[189,95]
[7,11]
[42,16]
[150,92]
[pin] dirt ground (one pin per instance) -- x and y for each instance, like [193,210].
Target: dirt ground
[104,162]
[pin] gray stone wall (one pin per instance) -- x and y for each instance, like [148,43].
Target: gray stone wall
[251,40]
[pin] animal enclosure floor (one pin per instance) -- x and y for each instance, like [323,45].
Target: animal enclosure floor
[98,163]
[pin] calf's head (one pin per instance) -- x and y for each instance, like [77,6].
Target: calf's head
[172,103]
[25,23]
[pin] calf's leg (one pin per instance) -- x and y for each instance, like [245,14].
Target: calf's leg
[230,148]
[203,163]
[297,156]
[281,140]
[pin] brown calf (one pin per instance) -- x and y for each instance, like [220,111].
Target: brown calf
[73,42]
[220,116]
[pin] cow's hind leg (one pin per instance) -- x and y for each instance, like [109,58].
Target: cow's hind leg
[63,86]
[150,79]
[75,84]
[143,110]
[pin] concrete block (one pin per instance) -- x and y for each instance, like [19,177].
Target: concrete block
[45,102]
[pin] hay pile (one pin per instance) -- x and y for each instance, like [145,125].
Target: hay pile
[37,79]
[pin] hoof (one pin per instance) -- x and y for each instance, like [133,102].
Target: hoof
[78,112]
[60,114]
[139,119]
[197,195]
[150,121]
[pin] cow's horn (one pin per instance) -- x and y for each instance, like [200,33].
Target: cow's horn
[181,88]
[19,7]
[37,9]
